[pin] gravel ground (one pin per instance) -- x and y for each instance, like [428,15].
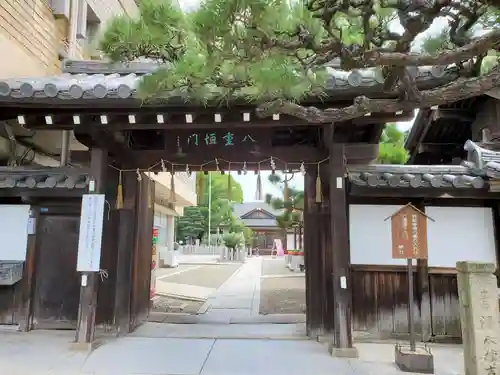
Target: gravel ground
[174,305]
[283,295]
[274,267]
[169,271]
[208,276]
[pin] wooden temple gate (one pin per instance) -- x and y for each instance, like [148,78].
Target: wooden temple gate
[127,139]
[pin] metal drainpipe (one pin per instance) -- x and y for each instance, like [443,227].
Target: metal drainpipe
[65,147]
[73,22]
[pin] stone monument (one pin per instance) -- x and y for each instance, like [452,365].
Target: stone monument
[479,316]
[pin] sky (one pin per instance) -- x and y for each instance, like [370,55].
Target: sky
[249,181]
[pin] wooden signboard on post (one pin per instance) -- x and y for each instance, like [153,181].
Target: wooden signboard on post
[409,233]
[409,241]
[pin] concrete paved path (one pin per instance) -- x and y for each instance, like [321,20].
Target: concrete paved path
[176,290]
[182,318]
[46,353]
[239,296]
[197,258]
[222,331]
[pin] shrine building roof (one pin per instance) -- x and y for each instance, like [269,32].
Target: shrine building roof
[439,133]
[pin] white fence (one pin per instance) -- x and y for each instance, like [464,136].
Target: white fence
[228,255]
[224,254]
[201,249]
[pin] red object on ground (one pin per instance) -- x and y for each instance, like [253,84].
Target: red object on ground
[296,253]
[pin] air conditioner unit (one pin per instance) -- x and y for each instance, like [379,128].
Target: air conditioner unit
[60,8]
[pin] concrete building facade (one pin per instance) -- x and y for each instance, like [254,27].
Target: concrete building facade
[37,36]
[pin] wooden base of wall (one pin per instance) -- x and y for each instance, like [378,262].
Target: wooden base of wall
[380,302]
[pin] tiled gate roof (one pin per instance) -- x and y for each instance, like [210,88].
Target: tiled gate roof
[480,170]
[98,80]
[43,178]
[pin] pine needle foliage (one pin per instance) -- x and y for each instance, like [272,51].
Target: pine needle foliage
[277,52]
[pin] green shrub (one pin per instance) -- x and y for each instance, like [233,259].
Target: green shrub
[233,240]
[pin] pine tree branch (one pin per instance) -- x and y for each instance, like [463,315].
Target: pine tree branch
[460,89]
[477,47]
[274,53]
[366,56]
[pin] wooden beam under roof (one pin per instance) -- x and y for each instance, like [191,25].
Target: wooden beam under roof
[425,193]
[285,157]
[120,119]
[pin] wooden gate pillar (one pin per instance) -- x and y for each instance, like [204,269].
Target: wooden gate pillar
[125,253]
[88,293]
[140,299]
[342,291]
[326,250]
[106,295]
[312,259]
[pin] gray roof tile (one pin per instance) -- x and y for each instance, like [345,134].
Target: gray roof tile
[98,80]
[415,176]
[480,170]
[483,158]
[43,178]
[240,209]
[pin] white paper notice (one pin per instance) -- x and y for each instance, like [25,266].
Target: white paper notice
[90,240]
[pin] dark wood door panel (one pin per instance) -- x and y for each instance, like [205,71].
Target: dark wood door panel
[57,285]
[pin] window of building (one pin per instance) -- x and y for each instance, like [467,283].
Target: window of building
[88,29]
[88,23]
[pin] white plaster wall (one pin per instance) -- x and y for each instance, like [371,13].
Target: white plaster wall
[370,234]
[165,225]
[460,233]
[13,232]
[185,192]
[160,223]
[160,220]
[457,233]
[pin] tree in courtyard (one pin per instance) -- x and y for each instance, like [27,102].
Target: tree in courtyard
[221,211]
[391,147]
[223,186]
[191,225]
[233,241]
[249,236]
[224,191]
[275,53]
[290,204]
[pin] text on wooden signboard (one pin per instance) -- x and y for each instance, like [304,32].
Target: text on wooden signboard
[409,233]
